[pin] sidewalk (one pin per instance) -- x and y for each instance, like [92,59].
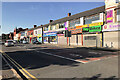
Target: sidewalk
[78,46]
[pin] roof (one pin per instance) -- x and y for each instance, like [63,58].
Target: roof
[82,14]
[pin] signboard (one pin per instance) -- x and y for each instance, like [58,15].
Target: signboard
[39,35]
[112,27]
[50,34]
[96,24]
[76,30]
[93,24]
[92,29]
[86,29]
[95,29]
[109,16]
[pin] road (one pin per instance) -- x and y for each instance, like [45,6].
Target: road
[49,61]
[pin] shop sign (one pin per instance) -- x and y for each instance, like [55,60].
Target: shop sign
[30,35]
[76,30]
[112,27]
[77,27]
[50,34]
[93,24]
[39,35]
[95,29]
[86,29]
[109,16]
[96,24]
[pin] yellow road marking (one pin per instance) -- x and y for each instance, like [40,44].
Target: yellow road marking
[21,68]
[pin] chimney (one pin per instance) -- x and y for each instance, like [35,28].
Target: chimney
[41,25]
[69,14]
[35,26]
[50,21]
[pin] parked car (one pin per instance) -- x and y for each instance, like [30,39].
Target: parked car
[9,43]
[24,42]
[14,41]
[1,43]
[36,42]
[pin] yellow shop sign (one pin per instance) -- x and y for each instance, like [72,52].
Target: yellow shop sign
[96,24]
[31,36]
[39,35]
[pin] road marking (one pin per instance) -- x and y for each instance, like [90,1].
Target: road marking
[19,69]
[60,56]
[15,73]
[22,69]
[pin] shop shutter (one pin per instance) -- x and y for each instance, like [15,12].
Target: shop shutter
[62,40]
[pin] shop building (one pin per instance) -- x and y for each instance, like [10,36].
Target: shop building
[112,27]
[85,25]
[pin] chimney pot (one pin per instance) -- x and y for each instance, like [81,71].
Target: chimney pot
[51,21]
[69,14]
[35,26]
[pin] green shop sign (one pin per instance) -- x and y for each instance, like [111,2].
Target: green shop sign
[95,28]
[86,29]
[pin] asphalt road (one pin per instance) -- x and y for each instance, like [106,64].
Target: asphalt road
[35,60]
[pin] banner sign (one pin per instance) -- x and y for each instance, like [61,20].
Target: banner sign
[50,34]
[109,16]
[112,27]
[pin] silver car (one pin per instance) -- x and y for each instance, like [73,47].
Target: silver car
[9,43]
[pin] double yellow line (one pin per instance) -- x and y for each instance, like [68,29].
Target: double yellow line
[22,70]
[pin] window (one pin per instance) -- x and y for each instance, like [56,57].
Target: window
[61,25]
[118,15]
[73,22]
[35,32]
[31,33]
[46,28]
[88,20]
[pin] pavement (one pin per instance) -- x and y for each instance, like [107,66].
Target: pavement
[50,61]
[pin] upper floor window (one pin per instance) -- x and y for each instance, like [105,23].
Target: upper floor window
[46,28]
[74,22]
[62,25]
[118,15]
[89,20]
[35,32]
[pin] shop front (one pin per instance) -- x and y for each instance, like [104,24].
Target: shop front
[76,36]
[50,37]
[62,40]
[92,35]
[39,38]
[111,35]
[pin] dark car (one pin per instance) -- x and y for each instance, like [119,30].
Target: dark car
[36,42]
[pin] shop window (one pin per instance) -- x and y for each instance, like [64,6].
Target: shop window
[89,20]
[74,22]
[53,39]
[90,37]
